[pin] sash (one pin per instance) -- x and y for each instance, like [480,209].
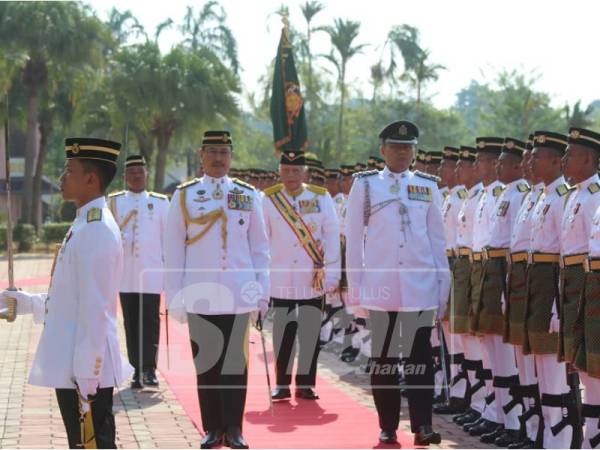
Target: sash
[302,232]
[127,219]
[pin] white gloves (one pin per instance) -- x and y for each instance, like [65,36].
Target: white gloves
[554,324]
[27,303]
[87,387]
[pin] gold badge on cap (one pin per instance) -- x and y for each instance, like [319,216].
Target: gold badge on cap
[510,144]
[541,139]
[575,134]
[75,148]
[481,144]
[402,130]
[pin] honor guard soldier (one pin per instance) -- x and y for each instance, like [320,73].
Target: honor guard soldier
[402,280]
[581,169]
[467,174]
[586,357]
[488,314]
[540,333]
[433,160]
[78,352]
[142,218]
[516,307]
[304,237]
[420,162]
[488,151]
[217,258]
[457,194]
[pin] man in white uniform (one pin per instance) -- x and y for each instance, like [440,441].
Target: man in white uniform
[79,346]
[398,271]
[217,259]
[142,218]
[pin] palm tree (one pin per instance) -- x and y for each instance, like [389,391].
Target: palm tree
[61,33]
[579,117]
[422,73]
[309,10]
[342,36]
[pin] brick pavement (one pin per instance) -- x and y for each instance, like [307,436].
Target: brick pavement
[151,418]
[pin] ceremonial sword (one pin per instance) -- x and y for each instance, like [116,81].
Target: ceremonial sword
[259,327]
[10,312]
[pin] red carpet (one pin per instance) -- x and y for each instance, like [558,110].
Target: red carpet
[334,421]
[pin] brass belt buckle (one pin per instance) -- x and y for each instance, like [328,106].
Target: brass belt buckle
[586,265]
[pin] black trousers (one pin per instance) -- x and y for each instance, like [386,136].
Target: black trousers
[406,335]
[220,351]
[142,328]
[293,318]
[102,416]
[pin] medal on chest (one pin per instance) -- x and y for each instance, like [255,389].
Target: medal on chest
[309,206]
[395,188]
[201,196]
[217,194]
[503,208]
[419,193]
[239,201]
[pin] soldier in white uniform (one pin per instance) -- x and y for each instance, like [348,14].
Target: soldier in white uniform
[468,175]
[581,169]
[304,237]
[402,280]
[540,332]
[516,307]
[457,194]
[587,335]
[217,258]
[488,151]
[142,218]
[488,316]
[79,345]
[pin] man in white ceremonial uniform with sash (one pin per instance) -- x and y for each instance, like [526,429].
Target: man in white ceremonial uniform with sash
[78,352]
[142,218]
[216,260]
[304,236]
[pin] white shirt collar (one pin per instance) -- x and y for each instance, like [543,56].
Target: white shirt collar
[387,173]
[99,202]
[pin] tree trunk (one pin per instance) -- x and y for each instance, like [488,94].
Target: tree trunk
[31,144]
[339,144]
[36,209]
[162,140]
[146,145]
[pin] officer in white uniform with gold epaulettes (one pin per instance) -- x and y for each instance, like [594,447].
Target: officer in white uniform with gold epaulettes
[79,343]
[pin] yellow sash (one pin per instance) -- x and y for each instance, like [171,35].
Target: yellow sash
[208,220]
[130,216]
[302,232]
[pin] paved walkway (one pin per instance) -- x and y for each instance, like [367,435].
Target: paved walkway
[151,418]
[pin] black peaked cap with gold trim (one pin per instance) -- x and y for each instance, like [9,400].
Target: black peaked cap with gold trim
[467,153]
[530,142]
[450,153]
[400,132]
[514,147]
[135,160]
[433,157]
[346,169]
[489,145]
[92,148]
[219,137]
[588,138]
[549,139]
[292,158]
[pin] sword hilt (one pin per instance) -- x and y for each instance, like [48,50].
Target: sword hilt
[11,308]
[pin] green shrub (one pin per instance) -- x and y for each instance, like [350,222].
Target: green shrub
[2,238]
[24,234]
[53,233]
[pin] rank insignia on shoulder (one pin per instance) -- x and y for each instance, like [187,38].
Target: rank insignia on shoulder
[316,189]
[188,183]
[498,190]
[503,208]
[365,173]
[562,189]
[427,176]
[157,195]
[239,202]
[522,187]
[273,189]
[243,183]
[475,193]
[593,188]
[462,193]
[94,215]
[419,193]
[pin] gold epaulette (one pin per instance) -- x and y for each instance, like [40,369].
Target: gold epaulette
[427,176]
[157,195]
[273,189]
[562,189]
[523,187]
[593,188]
[94,215]
[188,183]
[115,194]
[498,190]
[243,183]
[462,193]
[316,189]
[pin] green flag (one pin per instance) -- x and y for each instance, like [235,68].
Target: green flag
[287,104]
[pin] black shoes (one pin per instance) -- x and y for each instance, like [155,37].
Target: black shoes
[527,443]
[490,438]
[349,354]
[468,417]
[425,436]
[212,439]
[150,378]
[307,394]
[484,427]
[234,439]
[388,437]
[508,437]
[135,381]
[281,393]
[456,406]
